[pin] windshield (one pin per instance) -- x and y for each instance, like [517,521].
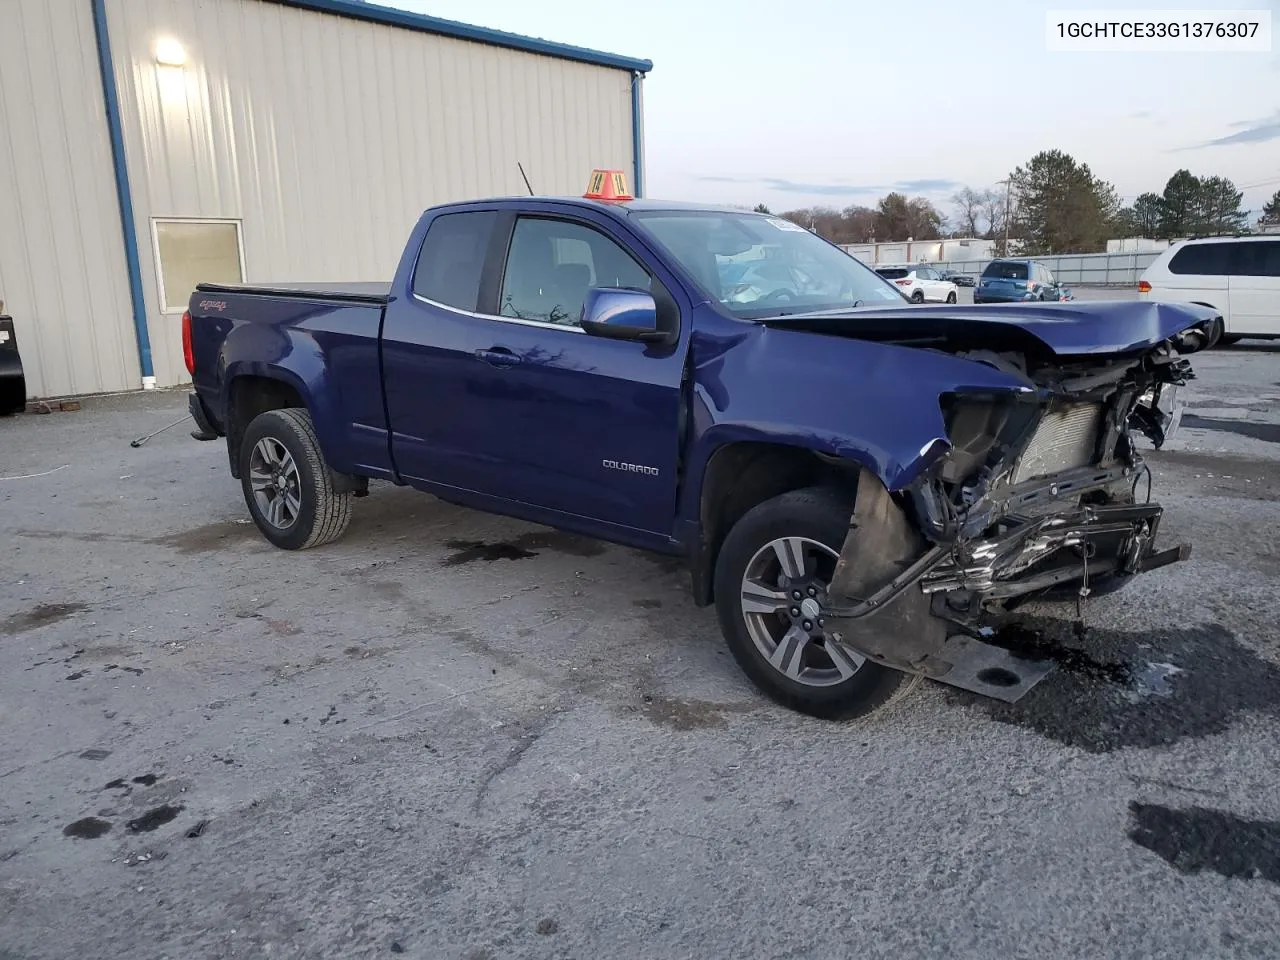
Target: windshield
[760,266]
[1003,270]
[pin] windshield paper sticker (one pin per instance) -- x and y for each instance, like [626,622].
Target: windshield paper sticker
[785,224]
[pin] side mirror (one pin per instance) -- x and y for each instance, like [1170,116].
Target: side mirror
[621,314]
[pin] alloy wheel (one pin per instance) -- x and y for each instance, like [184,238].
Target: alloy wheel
[783,600]
[273,476]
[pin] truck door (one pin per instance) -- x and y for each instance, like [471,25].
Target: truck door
[515,401]
[586,425]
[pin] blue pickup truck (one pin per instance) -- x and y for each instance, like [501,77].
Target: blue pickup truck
[862,487]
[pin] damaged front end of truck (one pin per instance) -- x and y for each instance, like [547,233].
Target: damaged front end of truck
[1033,489]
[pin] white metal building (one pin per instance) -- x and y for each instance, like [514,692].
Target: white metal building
[922,251]
[149,144]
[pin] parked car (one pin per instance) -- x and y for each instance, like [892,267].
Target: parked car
[850,481]
[920,284]
[1005,281]
[959,279]
[1237,276]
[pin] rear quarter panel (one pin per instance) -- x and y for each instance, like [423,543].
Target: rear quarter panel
[326,350]
[1208,290]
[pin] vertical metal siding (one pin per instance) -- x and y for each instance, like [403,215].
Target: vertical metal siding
[328,136]
[62,263]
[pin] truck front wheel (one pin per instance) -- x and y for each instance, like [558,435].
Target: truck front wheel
[771,581]
[287,487]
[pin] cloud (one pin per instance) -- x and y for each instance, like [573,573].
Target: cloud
[1247,131]
[838,188]
[926,186]
[817,189]
[1142,115]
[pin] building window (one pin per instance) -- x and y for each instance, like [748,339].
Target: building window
[189,252]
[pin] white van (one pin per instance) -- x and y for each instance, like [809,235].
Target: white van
[1237,276]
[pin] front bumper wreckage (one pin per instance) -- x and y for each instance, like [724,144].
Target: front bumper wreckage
[929,608]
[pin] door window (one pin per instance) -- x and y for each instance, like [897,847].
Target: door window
[1260,259]
[452,258]
[553,263]
[1203,259]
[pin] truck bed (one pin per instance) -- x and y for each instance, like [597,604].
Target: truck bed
[378,292]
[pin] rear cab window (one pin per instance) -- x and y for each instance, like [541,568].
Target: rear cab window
[1005,270]
[892,273]
[451,261]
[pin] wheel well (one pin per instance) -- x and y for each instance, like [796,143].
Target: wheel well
[741,475]
[1221,316]
[248,397]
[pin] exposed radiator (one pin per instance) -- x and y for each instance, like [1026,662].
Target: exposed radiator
[1065,438]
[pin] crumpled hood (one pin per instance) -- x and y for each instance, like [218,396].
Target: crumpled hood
[1073,328]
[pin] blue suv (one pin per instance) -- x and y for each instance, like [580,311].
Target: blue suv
[1007,281]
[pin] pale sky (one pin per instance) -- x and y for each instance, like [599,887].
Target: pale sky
[802,102]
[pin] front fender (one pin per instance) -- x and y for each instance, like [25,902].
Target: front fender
[874,403]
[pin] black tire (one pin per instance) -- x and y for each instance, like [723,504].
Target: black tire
[951,297]
[323,514]
[917,296]
[820,514]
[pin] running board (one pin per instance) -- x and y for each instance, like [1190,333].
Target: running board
[989,670]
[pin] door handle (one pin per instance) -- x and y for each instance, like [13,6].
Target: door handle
[498,357]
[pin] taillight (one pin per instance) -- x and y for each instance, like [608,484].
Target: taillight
[187,355]
[905,282]
[1144,287]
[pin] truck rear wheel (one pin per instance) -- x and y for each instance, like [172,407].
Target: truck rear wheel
[287,487]
[771,582]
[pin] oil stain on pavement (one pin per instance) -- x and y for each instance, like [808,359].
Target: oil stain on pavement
[1198,839]
[686,714]
[1115,689]
[1266,432]
[40,616]
[90,828]
[523,547]
[154,818]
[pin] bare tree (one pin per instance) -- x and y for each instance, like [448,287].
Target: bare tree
[969,204]
[851,225]
[992,204]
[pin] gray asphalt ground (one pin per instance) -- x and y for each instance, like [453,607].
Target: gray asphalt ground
[455,735]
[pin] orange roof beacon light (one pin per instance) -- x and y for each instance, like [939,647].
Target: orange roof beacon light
[608,185]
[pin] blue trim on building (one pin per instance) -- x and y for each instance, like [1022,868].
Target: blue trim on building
[637,133]
[111,101]
[375,13]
